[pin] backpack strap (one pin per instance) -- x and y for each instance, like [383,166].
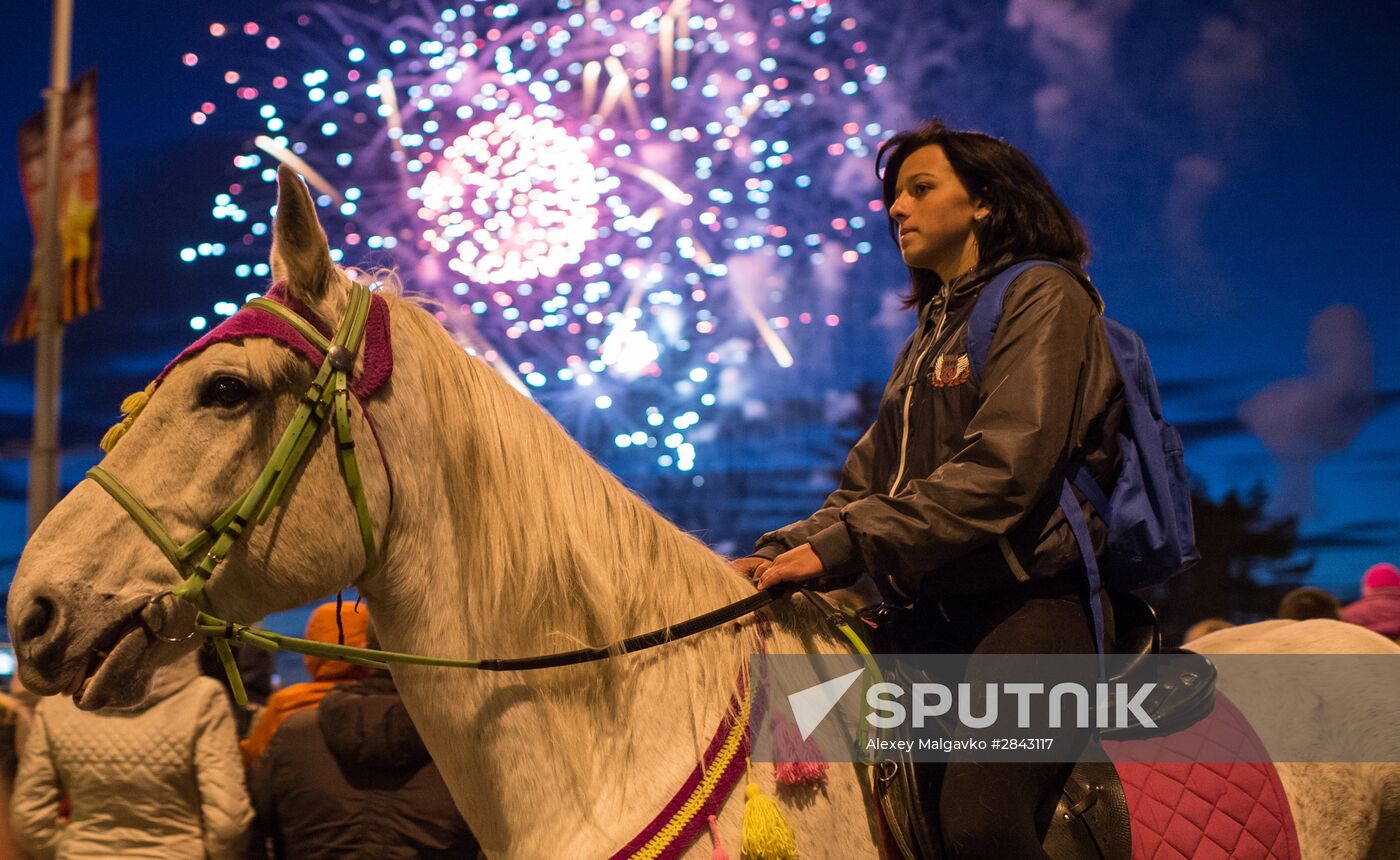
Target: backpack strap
[986,314]
[1074,515]
[981,328]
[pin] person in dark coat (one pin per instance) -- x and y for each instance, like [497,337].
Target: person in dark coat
[950,502]
[353,779]
[331,624]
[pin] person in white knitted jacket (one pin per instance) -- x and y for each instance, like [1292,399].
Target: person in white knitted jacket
[162,779]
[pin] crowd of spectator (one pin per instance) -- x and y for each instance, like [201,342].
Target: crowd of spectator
[1378,610]
[332,767]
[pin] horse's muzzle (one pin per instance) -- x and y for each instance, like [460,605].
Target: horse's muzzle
[39,630]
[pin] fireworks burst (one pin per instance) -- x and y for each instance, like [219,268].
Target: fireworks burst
[620,205]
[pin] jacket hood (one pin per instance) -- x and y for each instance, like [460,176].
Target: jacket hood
[322,627]
[167,681]
[366,726]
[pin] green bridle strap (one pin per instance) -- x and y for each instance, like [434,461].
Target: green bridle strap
[839,619]
[293,319]
[328,392]
[142,514]
[179,556]
[374,658]
[350,471]
[192,587]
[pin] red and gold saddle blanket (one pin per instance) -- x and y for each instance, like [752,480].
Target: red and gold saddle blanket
[1209,792]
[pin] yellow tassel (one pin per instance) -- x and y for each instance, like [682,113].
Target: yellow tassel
[134,403]
[113,434]
[131,407]
[766,834]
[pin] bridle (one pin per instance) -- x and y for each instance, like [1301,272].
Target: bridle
[328,397]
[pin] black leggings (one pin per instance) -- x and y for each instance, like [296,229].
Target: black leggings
[1000,810]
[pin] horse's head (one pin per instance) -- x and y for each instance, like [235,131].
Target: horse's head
[86,612]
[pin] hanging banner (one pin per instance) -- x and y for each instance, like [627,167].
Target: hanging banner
[79,235]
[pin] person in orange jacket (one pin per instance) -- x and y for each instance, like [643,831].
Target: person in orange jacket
[325,675]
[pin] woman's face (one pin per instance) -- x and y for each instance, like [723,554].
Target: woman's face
[935,214]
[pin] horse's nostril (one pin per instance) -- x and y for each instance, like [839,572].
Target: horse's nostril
[38,619]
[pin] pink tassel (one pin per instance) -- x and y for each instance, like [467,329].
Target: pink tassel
[718,853]
[797,761]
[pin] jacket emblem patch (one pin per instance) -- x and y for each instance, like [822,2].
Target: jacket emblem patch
[950,370]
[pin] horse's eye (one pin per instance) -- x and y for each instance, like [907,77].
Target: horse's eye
[225,392]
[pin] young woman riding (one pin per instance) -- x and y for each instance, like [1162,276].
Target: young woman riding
[950,501]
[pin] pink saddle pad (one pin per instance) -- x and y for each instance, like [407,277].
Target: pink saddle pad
[1212,793]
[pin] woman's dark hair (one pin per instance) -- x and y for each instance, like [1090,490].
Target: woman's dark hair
[1027,218]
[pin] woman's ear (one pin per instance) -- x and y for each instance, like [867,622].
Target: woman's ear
[300,253]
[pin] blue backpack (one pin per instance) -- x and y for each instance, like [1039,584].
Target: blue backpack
[1150,533]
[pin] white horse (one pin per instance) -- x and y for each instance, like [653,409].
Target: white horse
[503,539]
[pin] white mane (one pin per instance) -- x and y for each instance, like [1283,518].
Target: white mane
[611,565]
[559,555]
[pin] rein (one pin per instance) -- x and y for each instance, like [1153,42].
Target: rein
[328,396]
[242,634]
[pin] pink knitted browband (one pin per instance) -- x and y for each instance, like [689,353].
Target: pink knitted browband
[377,349]
[252,322]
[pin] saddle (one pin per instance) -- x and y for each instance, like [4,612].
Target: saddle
[1090,812]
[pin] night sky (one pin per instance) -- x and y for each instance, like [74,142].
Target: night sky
[1234,163]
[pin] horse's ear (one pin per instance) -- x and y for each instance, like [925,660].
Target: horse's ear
[300,254]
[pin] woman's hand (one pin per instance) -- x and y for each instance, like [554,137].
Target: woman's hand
[794,565]
[751,566]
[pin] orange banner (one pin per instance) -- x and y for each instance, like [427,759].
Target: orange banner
[79,234]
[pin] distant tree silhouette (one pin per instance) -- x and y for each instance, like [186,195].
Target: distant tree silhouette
[1247,563]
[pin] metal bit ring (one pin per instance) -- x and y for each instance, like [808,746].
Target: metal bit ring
[141,619]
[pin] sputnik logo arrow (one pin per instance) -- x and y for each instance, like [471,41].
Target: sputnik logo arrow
[810,706]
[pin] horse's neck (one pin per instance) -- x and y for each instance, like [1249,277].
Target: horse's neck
[553,550]
[582,754]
